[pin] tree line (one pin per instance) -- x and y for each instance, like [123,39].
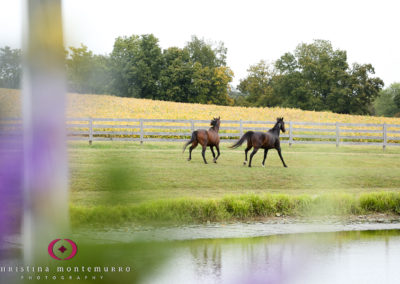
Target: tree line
[137,67]
[314,76]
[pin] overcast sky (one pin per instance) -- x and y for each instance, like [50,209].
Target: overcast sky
[251,30]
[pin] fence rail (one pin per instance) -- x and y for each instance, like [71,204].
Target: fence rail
[297,132]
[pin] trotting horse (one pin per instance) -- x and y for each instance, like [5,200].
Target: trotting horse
[205,138]
[266,141]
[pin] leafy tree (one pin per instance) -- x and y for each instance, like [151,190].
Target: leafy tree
[210,75]
[388,101]
[210,85]
[361,91]
[10,68]
[136,66]
[293,91]
[86,73]
[395,89]
[147,68]
[176,75]
[101,76]
[121,62]
[313,72]
[220,87]
[197,73]
[235,93]
[257,86]
[239,98]
[205,54]
[200,87]
[317,77]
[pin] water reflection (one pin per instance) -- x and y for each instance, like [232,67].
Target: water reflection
[207,259]
[344,257]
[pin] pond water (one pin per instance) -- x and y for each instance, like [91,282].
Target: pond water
[239,253]
[339,257]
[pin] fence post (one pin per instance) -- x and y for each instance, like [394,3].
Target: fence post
[90,130]
[290,133]
[192,125]
[337,134]
[384,136]
[141,131]
[241,128]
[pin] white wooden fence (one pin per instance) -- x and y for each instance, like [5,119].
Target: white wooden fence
[106,129]
[142,130]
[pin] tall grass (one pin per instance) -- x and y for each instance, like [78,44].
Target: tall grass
[382,202]
[238,207]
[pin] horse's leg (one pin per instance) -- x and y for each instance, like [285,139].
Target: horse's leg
[252,154]
[265,157]
[245,153]
[213,153]
[218,153]
[280,155]
[194,145]
[203,153]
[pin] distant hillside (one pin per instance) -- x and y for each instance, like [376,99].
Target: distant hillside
[104,106]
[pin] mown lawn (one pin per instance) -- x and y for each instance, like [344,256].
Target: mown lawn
[127,173]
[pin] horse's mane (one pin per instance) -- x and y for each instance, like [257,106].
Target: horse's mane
[214,121]
[278,119]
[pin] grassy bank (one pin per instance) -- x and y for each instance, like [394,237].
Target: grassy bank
[239,207]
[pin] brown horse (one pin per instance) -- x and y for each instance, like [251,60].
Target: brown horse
[205,138]
[266,141]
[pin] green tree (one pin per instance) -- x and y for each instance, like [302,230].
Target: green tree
[239,98]
[136,66]
[257,86]
[292,90]
[221,77]
[388,101]
[176,75]
[86,73]
[210,75]
[10,68]
[318,77]
[395,88]
[205,54]
[197,73]
[101,76]
[361,90]
[313,74]
[122,61]
[147,68]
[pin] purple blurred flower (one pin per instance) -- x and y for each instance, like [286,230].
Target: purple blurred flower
[11,181]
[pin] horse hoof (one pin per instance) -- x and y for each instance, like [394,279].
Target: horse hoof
[286,166]
[263,165]
[189,160]
[244,163]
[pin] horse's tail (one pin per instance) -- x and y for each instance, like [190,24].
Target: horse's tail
[192,139]
[245,137]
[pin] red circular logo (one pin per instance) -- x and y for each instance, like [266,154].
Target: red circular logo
[62,249]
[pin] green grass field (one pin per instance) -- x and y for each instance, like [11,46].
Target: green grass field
[122,180]
[160,170]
